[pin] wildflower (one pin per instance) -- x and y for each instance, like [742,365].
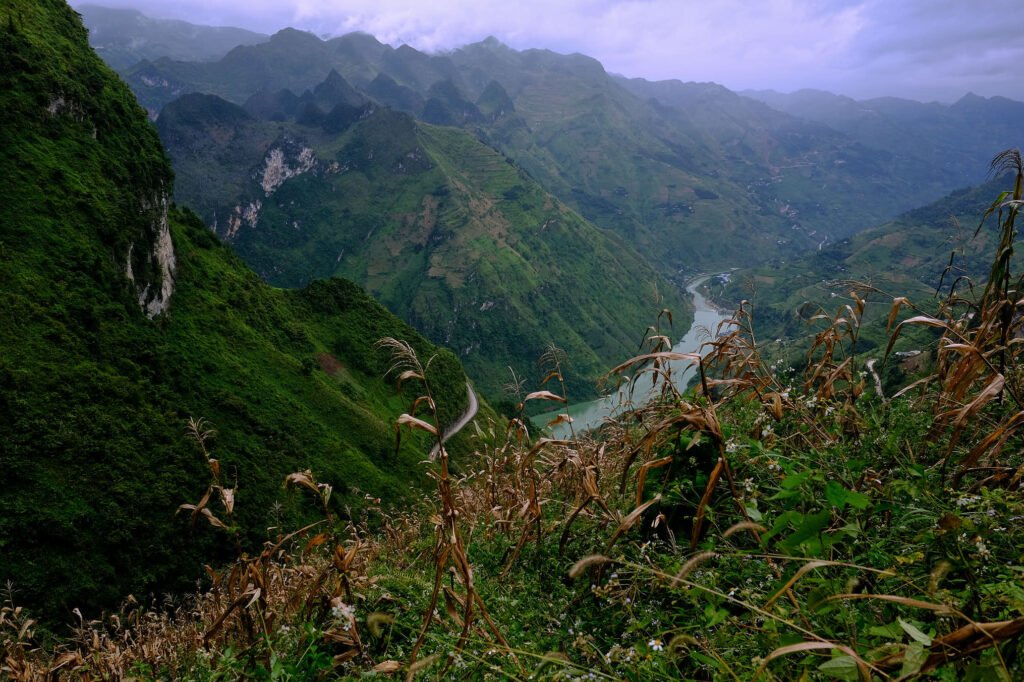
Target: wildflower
[342,611]
[655,645]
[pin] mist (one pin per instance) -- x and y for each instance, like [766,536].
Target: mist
[919,49]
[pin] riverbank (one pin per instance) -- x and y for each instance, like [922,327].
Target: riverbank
[636,393]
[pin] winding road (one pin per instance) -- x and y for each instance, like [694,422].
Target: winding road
[463,419]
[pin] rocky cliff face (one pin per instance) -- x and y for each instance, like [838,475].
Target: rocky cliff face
[156,256]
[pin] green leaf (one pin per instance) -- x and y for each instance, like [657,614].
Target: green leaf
[781,523]
[914,633]
[714,615]
[793,480]
[839,496]
[811,526]
[841,667]
[913,658]
[890,631]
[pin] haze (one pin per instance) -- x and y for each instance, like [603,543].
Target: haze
[921,49]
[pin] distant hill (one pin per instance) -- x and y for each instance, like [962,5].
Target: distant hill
[124,37]
[954,142]
[907,256]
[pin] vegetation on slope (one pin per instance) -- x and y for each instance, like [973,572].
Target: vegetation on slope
[94,395]
[771,525]
[439,227]
[694,176]
[920,254]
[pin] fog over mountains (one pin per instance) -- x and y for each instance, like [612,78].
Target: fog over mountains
[921,49]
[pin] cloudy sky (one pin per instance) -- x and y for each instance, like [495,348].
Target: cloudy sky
[924,49]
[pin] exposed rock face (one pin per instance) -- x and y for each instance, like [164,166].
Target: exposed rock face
[243,215]
[285,161]
[154,280]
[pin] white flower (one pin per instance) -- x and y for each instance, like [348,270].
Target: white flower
[655,645]
[342,611]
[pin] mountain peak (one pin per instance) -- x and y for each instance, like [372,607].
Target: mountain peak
[294,36]
[491,41]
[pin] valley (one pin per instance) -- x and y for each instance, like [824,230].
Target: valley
[342,343]
[641,389]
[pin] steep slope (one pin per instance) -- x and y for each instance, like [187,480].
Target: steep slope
[948,145]
[123,316]
[124,37]
[442,229]
[692,175]
[907,256]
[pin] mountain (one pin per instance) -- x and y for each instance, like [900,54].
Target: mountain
[950,143]
[694,176]
[123,316]
[124,37]
[444,230]
[907,256]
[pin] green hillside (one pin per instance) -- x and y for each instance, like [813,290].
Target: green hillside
[920,252]
[948,144]
[439,227]
[123,317]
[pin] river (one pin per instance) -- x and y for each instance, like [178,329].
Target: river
[592,414]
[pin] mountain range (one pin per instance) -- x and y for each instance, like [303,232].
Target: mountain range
[435,180]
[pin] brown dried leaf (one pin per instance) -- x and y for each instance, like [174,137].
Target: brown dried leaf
[560,419]
[413,422]
[387,667]
[227,496]
[862,665]
[804,570]
[940,609]
[407,375]
[641,475]
[544,395]
[631,520]
[214,521]
[302,478]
